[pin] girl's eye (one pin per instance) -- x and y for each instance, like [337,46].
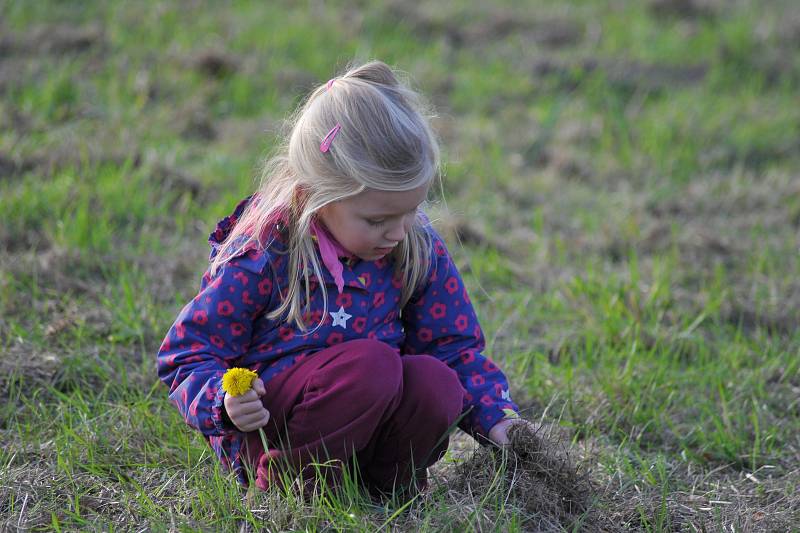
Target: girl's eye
[375,222]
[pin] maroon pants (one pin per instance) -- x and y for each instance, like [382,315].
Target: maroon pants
[358,403]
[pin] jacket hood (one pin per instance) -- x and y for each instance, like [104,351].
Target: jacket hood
[225,226]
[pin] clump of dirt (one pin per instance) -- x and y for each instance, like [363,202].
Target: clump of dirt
[539,477]
[215,63]
[685,8]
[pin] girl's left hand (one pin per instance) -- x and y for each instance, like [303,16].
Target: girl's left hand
[499,433]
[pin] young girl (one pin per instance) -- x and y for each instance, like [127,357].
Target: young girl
[333,287]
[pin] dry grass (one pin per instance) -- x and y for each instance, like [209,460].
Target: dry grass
[622,199]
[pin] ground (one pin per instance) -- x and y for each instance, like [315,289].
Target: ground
[620,192]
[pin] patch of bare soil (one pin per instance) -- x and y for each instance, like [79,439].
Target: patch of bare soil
[56,269]
[72,288]
[53,39]
[32,489]
[14,166]
[215,63]
[176,180]
[31,368]
[685,8]
[716,501]
[568,162]
[195,123]
[15,240]
[773,54]
[634,75]
[470,232]
[179,274]
[628,75]
[24,56]
[12,70]
[67,155]
[754,157]
[744,312]
[788,30]
[21,363]
[470,29]
[169,178]
[13,118]
[553,33]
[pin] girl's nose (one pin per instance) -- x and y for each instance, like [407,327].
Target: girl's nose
[397,231]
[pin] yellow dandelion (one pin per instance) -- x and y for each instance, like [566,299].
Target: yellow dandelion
[237,381]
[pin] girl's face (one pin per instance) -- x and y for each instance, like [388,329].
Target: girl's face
[371,223]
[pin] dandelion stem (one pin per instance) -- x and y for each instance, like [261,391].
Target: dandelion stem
[263,440]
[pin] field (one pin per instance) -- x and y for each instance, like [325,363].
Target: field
[621,192]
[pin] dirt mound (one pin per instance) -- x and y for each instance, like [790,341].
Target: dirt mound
[215,63]
[538,476]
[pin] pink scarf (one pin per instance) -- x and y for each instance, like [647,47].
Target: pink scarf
[331,251]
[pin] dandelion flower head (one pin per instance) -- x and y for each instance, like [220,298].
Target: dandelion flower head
[237,381]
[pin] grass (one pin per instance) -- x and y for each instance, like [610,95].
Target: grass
[621,196]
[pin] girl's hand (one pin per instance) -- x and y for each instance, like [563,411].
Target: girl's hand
[246,411]
[499,433]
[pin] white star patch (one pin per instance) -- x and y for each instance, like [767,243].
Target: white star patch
[506,395]
[340,317]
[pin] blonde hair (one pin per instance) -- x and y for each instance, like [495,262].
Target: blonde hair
[385,143]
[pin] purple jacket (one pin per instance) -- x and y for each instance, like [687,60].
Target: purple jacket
[225,326]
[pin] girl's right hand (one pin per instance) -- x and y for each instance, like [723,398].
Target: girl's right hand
[246,411]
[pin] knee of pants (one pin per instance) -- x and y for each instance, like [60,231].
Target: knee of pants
[374,370]
[434,385]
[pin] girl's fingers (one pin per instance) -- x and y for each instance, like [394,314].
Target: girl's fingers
[243,417]
[246,411]
[252,423]
[249,415]
[249,396]
[258,387]
[250,407]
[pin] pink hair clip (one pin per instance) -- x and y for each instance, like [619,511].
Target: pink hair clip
[326,142]
[330,83]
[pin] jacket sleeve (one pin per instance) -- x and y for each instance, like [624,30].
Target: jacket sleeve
[439,320]
[210,333]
